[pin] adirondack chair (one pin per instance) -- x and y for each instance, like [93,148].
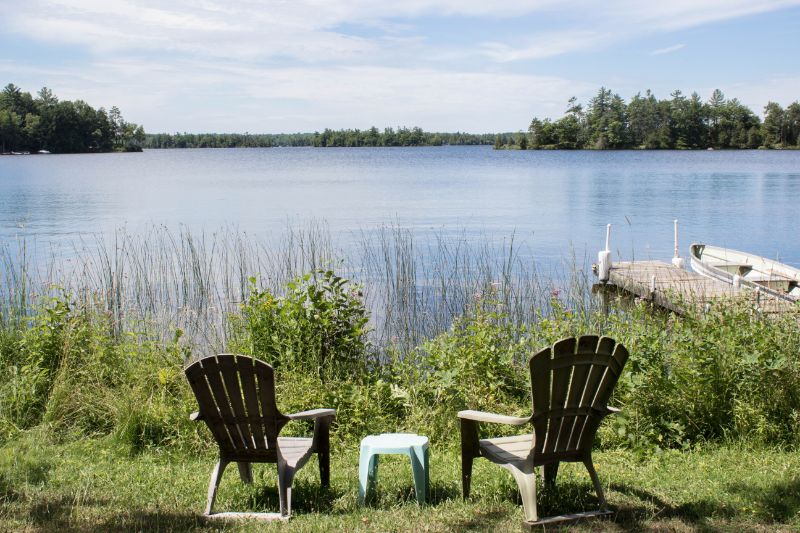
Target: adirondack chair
[571,383]
[236,395]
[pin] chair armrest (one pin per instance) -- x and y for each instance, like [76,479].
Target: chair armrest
[313,414]
[196,416]
[480,416]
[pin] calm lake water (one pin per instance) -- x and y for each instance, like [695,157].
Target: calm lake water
[552,202]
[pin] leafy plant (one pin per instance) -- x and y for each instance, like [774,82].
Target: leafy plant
[478,364]
[319,325]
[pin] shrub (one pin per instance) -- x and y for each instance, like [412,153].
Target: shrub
[722,374]
[30,356]
[318,326]
[363,406]
[480,363]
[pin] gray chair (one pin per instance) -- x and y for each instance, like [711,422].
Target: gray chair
[236,396]
[571,383]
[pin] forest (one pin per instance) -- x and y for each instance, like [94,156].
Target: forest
[680,122]
[43,123]
[327,138]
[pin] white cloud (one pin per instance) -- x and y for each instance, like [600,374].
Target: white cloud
[306,29]
[263,65]
[544,45]
[195,96]
[667,50]
[677,14]
[606,22]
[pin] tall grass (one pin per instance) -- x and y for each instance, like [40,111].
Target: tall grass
[162,280]
[452,321]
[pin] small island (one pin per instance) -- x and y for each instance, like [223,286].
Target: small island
[46,125]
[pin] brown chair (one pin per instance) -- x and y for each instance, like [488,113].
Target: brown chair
[571,383]
[236,395]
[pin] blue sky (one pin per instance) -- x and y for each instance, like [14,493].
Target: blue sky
[444,65]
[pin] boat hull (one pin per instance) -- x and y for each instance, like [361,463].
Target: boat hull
[746,270]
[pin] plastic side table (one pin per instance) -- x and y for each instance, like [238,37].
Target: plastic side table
[415,446]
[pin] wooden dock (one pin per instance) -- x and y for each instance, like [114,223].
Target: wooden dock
[675,289]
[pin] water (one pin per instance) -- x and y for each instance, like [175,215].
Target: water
[553,202]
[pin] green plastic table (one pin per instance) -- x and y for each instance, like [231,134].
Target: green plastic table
[415,446]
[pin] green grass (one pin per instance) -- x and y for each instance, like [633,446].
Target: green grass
[92,485]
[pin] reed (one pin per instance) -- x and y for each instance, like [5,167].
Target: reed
[163,280]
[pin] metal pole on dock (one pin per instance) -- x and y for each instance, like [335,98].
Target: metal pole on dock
[604,258]
[677,260]
[604,269]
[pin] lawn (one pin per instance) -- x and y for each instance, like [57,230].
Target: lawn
[94,485]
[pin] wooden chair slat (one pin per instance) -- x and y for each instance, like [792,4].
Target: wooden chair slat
[196,375]
[266,398]
[587,344]
[229,371]
[562,351]
[606,345]
[540,393]
[609,380]
[587,347]
[213,374]
[247,376]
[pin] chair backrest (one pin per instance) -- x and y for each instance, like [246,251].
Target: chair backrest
[236,395]
[572,382]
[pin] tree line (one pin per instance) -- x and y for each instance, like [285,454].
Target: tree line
[327,138]
[29,124]
[680,122]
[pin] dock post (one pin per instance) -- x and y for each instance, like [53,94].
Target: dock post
[604,299]
[604,258]
[677,260]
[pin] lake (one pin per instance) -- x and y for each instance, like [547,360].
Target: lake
[553,202]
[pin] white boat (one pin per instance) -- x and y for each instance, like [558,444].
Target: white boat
[747,270]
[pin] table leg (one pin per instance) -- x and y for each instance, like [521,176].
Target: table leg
[419,468]
[367,475]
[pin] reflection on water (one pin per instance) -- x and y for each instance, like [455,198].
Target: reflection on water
[553,202]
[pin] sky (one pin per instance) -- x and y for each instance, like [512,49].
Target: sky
[443,65]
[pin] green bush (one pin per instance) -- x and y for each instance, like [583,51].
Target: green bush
[363,406]
[318,326]
[726,373]
[480,363]
[66,372]
[31,354]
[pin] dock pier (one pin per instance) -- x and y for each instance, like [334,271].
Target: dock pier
[673,288]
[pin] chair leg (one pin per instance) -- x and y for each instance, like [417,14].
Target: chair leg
[322,446]
[466,474]
[526,481]
[246,472]
[550,473]
[216,476]
[596,481]
[285,478]
[324,468]
[469,451]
